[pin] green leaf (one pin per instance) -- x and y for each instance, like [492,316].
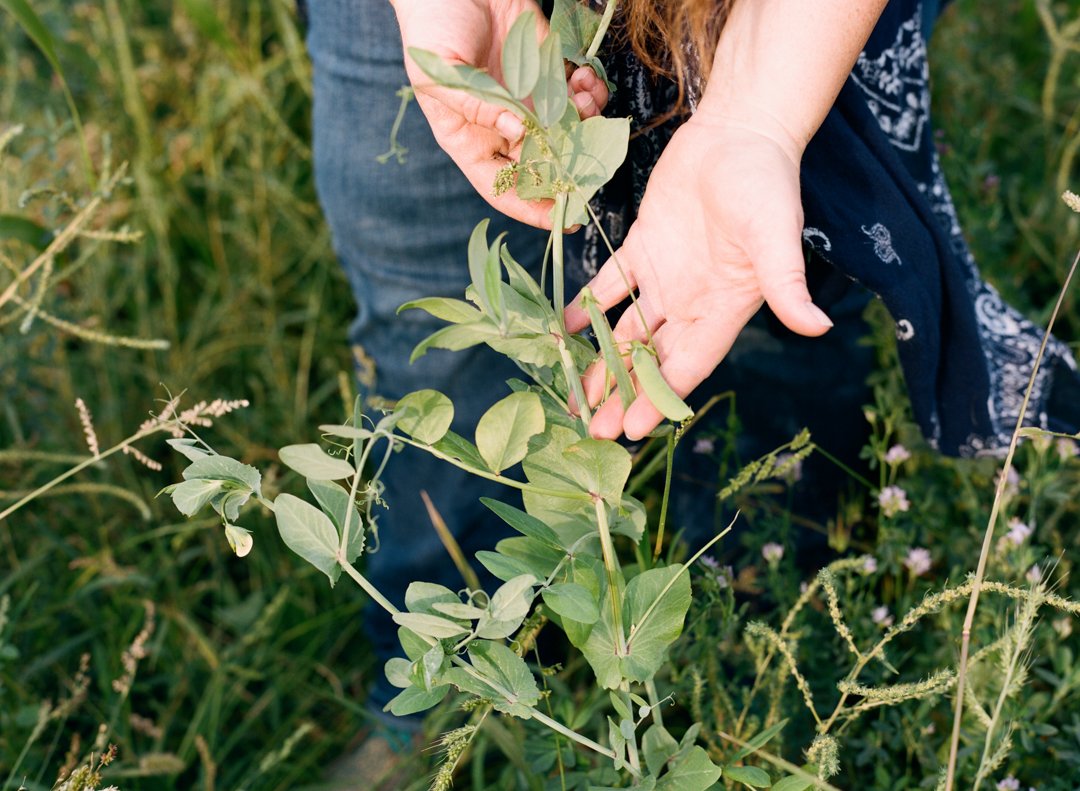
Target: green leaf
[521,56]
[649,640]
[309,533]
[792,783]
[414,700]
[540,349]
[620,706]
[613,360]
[336,503]
[539,558]
[422,596]
[189,448]
[458,447]
[466,78]
[399,672]
[345,431]
[600,467]
[222,468]
[314,463]
[748,775]
[659,392]
[759,741]
[550,95]
[509,671]
[572,601]
[576,25]
[513,599]
[658,746]
[12,226]
[692,772]
[595,149]
[453,310]
[190,496]
[504,431]
[457,609]
[521,281]
[501,566]
[430,625]
[526,525]
[33,26]
[412,644]
[425,415]
[457,337]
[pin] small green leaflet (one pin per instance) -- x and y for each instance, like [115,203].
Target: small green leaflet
[425,415]
[521,56]
[613,360]
[504,431]
[692,772]
[550,94]
[309,533]
[748,775]
[314,463]
[572,601]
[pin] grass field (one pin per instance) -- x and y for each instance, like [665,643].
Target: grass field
[213,245]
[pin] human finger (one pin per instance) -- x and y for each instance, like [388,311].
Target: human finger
[781,272]
[585,80]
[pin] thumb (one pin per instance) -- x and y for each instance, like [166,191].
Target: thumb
[781,273]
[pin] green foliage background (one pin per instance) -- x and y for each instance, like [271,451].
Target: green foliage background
[208,102]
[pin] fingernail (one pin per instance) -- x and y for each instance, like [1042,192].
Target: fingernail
[818,315]
[510,127]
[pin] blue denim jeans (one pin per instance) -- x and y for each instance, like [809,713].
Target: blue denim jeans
[401,231]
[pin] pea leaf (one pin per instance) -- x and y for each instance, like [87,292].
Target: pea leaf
[613,359]
[414,700]
[314,463]
[649,639]
[658,746]
[550,94]
[576,25]
[222,468]
[425,415]
[190,496]
[792,783]
[692,772]
[457,337]
[752,776]
[521,56]
[466,78]
[526,525]
[458,447]
[431,625]
[309,533]
[453,310]
[336,504]
[422,596]
[510,672]
[572,601]
[601,467]
[504,431]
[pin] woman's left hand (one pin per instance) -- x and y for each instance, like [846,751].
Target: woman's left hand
[718,233]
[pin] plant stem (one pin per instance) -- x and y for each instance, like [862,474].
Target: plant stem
[75,470]
[573,382]
[558,285]
[631,743]
[988,536]
[614,573]
[605,23]
[492,476]
[372,591]
[667,497]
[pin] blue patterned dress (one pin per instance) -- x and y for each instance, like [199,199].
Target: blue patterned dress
[878,209]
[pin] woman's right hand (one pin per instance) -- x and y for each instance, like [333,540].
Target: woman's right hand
[480,137]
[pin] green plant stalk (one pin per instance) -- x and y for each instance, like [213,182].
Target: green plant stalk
[667,497]
[491,476]
[988,537]
[372,591]
[654,702]
[605,23]
[631,744]
[573,382]
[76,470]
[780,763]
[614,572]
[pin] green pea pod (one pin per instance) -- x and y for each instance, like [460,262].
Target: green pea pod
[612,359]
[659,392]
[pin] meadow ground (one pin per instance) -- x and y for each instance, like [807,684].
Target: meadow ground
[212,244]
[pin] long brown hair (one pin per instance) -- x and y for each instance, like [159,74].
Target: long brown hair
[675,38]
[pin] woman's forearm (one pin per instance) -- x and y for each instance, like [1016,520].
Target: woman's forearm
[779,64]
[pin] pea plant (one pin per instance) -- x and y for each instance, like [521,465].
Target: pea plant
[564,565]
